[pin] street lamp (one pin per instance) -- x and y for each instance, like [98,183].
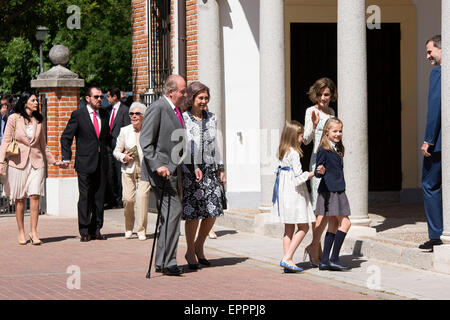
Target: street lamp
[41,35]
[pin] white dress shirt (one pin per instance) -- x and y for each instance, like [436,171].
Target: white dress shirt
[171,104]
[114,111]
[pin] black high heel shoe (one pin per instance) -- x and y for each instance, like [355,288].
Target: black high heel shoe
[193,266]
[308,253]
[203,261]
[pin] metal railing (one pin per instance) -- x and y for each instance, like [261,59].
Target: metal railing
[6,205]
[159,49]
[149,97]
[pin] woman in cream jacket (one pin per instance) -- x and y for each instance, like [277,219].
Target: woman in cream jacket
[133,188]
[25,172]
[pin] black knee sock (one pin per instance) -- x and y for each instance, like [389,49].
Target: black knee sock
[328,243]
[338,241]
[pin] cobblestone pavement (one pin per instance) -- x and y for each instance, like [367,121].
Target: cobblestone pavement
[116,269]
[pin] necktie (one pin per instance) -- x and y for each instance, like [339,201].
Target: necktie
[112,120]
[96,126]
[179,116]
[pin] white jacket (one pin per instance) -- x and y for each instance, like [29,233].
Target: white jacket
[125,141]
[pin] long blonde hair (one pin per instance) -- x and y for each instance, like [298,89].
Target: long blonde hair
[325,140]
[289,138]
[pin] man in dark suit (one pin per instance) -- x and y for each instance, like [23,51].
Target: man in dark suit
[118,117]
[4,106]
[9,101]
[90,127]
[162,141]
[431,150]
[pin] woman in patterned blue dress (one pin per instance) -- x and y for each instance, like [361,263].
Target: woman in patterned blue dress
[202,200]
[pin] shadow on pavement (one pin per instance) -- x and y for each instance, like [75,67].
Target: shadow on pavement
[114,235]
[351,261]
[57,239]
[222,262]
[397,214]
[221,233]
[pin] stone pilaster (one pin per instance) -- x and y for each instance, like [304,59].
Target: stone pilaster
[62,90]
[352,88]
[210,67]
[272,91]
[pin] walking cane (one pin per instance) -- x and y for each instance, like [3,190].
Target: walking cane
[156,227]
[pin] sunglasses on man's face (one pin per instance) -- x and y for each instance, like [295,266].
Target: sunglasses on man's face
[97,97]
[135,113]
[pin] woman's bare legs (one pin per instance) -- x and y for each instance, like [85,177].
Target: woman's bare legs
[287,237]
[344,223]
[20,209]
[302,229]
[333,224]
[314,248]
[34,216]
[205,227]
[190,229]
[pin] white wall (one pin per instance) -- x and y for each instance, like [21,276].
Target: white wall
[240,25]
[428,25]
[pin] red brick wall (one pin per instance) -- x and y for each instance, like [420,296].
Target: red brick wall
[139,47]
[140,43]
[191,41]
[60,104]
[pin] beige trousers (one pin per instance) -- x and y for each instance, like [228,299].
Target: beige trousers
[135,190]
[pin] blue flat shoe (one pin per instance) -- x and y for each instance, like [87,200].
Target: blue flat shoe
[289,267]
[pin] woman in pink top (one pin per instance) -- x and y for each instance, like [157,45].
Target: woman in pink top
[25,172]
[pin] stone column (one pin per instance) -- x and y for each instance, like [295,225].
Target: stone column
[445,118]
[62,90]
[352,89]
[210,68]
[272,92]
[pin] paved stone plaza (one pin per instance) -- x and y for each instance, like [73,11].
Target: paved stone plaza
[244,267]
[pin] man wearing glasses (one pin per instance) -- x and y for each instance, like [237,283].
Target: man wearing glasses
[91,128]
[8,99]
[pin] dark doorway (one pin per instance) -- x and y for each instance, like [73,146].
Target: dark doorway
[314,55]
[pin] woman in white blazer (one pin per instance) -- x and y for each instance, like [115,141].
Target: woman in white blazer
[133,188]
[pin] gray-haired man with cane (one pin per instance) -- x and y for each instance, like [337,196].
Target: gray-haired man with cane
[161,136]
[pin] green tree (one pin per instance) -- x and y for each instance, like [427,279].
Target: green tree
[100,51]
[20,63]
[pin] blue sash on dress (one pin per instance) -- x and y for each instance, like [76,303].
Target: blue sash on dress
[275,187]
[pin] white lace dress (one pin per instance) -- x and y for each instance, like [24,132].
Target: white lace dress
[314,135]
[294,203]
